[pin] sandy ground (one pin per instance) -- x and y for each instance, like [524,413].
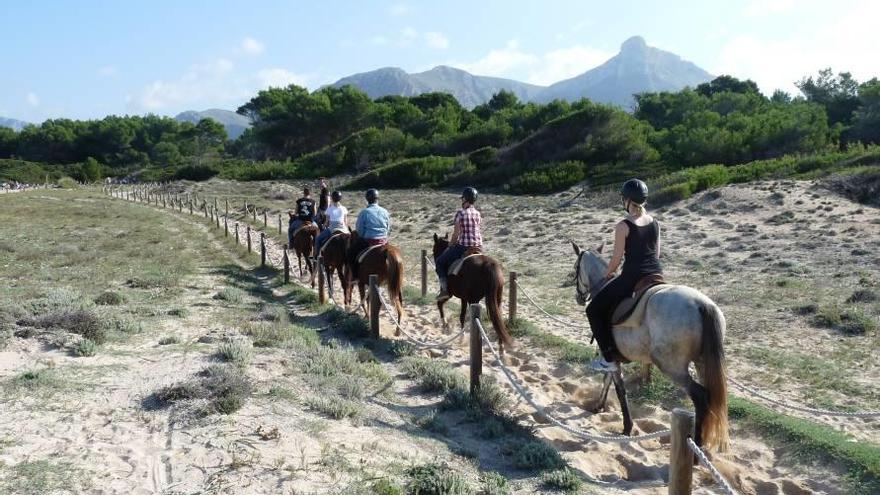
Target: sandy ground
[709,243]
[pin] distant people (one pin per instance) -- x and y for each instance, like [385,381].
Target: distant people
[373,228]
[303,212]
[637,244]
[323,204]
[336,220]
[466,235]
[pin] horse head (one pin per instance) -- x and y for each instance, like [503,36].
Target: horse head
[589,270]
[440,244]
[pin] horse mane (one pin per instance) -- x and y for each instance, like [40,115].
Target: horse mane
[596,270]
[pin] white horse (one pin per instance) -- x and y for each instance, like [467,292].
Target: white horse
[680,325]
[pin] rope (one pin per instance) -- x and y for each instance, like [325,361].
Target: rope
[540,409]
[568,324]
[418,342]
[725,487]
[810,410]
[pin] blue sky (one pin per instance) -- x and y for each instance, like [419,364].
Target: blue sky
[87,59]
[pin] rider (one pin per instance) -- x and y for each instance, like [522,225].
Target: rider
[323,196]
[336,220]
[373,228]
[465,235]
[637,242]
[304,212]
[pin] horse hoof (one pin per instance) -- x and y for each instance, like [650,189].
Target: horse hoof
[598,409]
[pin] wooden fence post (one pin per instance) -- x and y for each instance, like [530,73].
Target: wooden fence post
[319,266]
[511,303]
[226,226]
[205,208]
[286,266]
[217,216]
[476,349]
[262,249]
[279,224]
[255,213]
[374,306]
[248,234]
[237,240]
[190,207]
[681,459]
[424,272]
[163,201]
[265,219]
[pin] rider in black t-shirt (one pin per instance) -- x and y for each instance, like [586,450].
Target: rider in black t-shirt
[304,212]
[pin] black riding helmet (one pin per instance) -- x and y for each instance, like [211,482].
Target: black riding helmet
[635,190]
[372,196]
[469,194]
[336,196]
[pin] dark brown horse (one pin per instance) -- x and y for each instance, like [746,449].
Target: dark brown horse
[333,256]
[303,245]
[479,277]
[386,262]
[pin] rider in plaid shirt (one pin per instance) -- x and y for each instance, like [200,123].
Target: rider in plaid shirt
[465,236]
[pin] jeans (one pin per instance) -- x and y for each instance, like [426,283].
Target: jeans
[445,260]
[292,227]
[321,239]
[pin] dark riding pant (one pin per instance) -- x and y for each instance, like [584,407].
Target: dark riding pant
[445,260]
[601,309]
[321,239]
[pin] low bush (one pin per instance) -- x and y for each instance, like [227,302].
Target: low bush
[237,353]
[433,375]
[414,172]
[436,479]
[85,348]
[562,479]
[195,172]
[335,407]
[223,388]
[533,454]
[548,177]
[81,322]
[109,298]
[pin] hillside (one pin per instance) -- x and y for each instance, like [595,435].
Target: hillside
[638,68]
[234,123]
[468,89]
[13,123]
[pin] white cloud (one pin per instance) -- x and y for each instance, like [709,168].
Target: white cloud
[202,83]
[278,78]
[32,99]
[436,40]
[407,35]
[108,71]
[844,44]
[252,46]
[760,8]
[512,61]
[400,9]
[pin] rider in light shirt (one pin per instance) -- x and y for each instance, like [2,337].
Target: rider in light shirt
[373,222]
[336,221]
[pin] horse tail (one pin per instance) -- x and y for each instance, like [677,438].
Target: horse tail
[395,280]
[494,296]
[714,377]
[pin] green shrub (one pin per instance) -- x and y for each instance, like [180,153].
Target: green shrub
[436,479]
[548,177]
[234,352]
[109,298]
[170,339]
[484,158]
[562,479]
[533,454]
[671,194]
[195,172]
[433,375]
[413,172]
[224,388]
[85,348]
[493,483]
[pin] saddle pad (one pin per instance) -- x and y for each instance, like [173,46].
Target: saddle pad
[327,242]
[367,251]
[637,314]
[456,265]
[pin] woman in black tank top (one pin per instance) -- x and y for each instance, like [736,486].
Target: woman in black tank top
[637,242]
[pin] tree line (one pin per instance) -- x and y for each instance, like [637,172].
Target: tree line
[432,139]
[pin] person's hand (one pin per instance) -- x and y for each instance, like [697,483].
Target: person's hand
[609,275]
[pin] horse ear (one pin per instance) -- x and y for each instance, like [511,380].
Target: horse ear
[435,237]
[446,235]
[577,249]
[600,248]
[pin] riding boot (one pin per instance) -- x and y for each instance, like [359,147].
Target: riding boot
[444,291]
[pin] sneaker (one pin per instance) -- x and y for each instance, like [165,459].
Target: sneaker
[443,296]
[599,364]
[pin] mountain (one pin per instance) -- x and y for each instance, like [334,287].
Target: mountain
[468,89]
[637,68]
[16,125]
[234,123]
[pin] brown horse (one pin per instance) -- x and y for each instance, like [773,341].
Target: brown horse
[479,277]
[333,256]
[386,262]
[303,245]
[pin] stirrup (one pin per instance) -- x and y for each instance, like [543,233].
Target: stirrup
[600,364]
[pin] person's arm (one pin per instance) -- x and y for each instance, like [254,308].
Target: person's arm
[658,240]
[359,224]
[388,221]
[456,229]
[620,232]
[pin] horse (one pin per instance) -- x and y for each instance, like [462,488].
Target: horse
[303,245]
[386,261]
[479,277]
[333,256]
[680,325]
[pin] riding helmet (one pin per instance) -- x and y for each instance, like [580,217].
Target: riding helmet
[635,190]
[372,195]
[337,196]
[469,194]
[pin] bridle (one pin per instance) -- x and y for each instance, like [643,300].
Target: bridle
[578,283]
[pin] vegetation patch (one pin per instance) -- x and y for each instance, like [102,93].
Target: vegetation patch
[109,298]
[217,389]
[433,376]
[236,352]
[562,479]
[335,407]
[436,479]
[533,455]
[42,477]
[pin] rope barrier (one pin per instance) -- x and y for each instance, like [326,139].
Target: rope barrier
[810,410]
[540,409]
[725,486]
[420,343]
[568,324]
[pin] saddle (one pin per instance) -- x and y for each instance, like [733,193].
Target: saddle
[304,225]
[336,233]
[365,252]
[630,312]
[456,265]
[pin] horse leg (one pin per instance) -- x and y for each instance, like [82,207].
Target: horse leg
[462,314]
[700,397]
[361,290]
[602,403]
[620,389]
[443,315]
